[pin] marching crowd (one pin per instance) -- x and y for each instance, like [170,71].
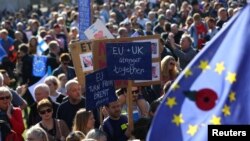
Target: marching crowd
[56,111]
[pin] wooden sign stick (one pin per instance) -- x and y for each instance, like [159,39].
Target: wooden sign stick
[129,104]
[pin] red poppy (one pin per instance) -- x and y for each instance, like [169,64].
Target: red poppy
[205,99]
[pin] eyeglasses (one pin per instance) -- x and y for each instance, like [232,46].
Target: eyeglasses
[5,98]
[42,112]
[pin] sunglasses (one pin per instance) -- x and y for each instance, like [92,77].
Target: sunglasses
[5,97]
[42,112]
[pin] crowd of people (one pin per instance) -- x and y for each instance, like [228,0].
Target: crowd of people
[55,111]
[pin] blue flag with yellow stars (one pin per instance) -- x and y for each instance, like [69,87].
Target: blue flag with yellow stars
[212,90]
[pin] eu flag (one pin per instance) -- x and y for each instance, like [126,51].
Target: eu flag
[212,90]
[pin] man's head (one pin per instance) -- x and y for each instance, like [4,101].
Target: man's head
[211,23]
[114,109]
[23,49]
[4,34]
[65,59]
[73,89]
[54,47]
[41,91]
[185,41]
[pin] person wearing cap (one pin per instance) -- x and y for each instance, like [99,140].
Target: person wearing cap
[159,28]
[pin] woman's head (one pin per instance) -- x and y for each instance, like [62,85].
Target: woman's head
[52,82]
[168,67]
[83,121]
[5,98]
[45,109]
[36,134]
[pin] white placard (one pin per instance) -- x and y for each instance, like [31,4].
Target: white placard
[32,87]
[98,31]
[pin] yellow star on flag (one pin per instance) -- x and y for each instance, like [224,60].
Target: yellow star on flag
[188,73]
[215,120]
[175,86]
[177,119]
[226,110]
[232,96]
[204,65]
[192,129]
[231,77]
[171,102]
[219,67]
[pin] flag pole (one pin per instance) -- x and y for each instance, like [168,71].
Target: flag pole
[129,104]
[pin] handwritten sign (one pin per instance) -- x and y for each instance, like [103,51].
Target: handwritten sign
[84,9]
[81,54]
[99,90]
[129,61]
[98,30]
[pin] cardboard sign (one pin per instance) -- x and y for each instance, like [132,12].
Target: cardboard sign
[98,31]
[81,54]
[99,90]
[84,9]
[129,61]
[99,57]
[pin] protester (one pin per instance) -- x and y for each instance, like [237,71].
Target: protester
[73,104]
[12,116]
[84,121]
[55,129]
[115,125]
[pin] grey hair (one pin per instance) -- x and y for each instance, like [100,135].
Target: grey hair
[5,90]
[38,133]
[69,83]
[95,134]
[42,86]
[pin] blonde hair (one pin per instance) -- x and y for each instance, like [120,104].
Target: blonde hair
[166,73]
[81,120]
[53,80]
[44,103]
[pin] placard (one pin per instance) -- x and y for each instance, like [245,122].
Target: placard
[98,31]
[156,73]
[129,61]
[77,51]
[99,90]
[84,10]
[99,57]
